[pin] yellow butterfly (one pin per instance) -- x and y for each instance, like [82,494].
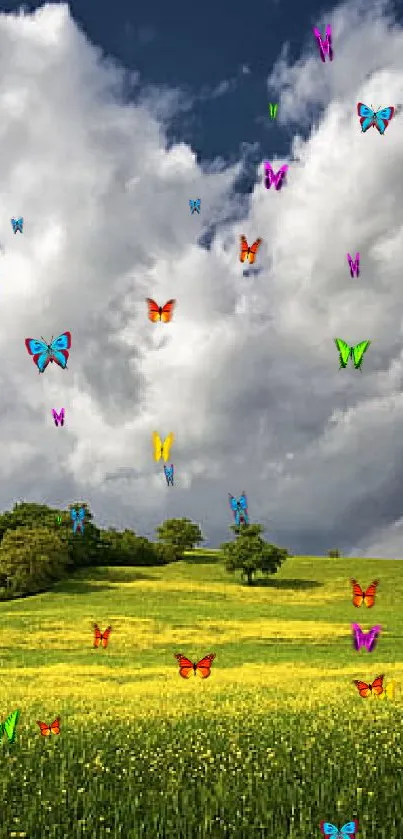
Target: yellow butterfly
[162,449]
[389,691]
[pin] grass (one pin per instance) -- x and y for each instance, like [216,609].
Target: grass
[276,740]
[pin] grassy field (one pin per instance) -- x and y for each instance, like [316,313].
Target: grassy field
[276,740]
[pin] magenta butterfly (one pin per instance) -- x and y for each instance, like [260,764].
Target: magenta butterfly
[272,178]
[365,639]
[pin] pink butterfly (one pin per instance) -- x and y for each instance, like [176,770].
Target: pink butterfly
[365,639]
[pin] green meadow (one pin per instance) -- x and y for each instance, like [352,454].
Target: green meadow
[276,740]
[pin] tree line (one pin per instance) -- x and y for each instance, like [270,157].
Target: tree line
[38,547]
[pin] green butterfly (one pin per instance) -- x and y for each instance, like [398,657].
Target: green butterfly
[356,353]
[9,726]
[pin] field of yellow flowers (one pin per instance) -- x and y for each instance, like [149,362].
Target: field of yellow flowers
[276,740]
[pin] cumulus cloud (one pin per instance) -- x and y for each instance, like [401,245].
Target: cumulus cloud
[246,375]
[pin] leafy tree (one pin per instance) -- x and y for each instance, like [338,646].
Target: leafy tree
[250,553]
[31,558]
[180,534]
[127,549]
[334,554]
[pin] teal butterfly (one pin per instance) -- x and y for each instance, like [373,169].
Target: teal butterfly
[356,353]
[9,726]
[348,831]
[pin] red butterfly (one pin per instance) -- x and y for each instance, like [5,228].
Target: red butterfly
[365,690]
[360,596]
[156,313]
[248,252]
[203,667]
[47,730]
[101,637]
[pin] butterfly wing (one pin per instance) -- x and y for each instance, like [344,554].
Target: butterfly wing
[244,249]
[9,725]
[45,729]
[253,250]
[358,594]
[371,638]
[344,351]
[235,507]
[166,447]
[383,118]
[97,635]
[363,689]
[185,666]
[369,595]
[167,311]
[366,115]
[59,349]
[157,443]
[81,513]
[349,830]
[243,504]
[55,726]
[357,353]
[203,667]
[154,312]
[358,636]
[329,829]
[39,351]
[198,204]
[105,637]
[377,685]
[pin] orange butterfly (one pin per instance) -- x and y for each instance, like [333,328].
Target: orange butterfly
[365,690]
[101,637]
[47,730]
[360,596]
[203,667]
[156,313]
[248,252]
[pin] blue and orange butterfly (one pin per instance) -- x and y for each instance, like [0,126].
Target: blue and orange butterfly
[44,353]
[17,224]
[240,508]
[348,831]
[78,517]
[378,119]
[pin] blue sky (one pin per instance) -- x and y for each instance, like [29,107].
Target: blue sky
[110,122]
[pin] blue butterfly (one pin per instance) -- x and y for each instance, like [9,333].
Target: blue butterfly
[17,224]
[348,830]
[239,508]
[169,474]
[195,205]
[55,351]
[78,517]
[378,119]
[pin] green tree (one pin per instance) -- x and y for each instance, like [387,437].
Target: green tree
[181,534]
[31,558]
[334,554]
[250,553]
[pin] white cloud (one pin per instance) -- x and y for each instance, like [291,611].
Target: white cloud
[246,375]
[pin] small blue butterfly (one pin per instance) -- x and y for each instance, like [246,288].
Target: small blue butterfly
[239,508]
[378,119]
[195,205]
[78,517]
[56,351]
[17,224]
[348,830]
[169,474]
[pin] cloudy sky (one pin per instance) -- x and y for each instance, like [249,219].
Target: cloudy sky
[107,128]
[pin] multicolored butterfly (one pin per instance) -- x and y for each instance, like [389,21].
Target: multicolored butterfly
[17,224]
[365,639]
[378,119]
[240,508]
[348,831]
[195,205]
[58,418]
[360,596]
[249,253]
[272,178]
[101,638]
[356,353]
[9,726]
[78,517]
[47,730]
[160,313]
[365,690]
[44,353]
[162,449]
[202,668]
[169,474]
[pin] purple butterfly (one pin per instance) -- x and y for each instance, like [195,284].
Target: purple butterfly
[365,639]
[271,177]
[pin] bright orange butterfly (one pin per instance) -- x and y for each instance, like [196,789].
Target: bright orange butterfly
[360,596]
[365,690]
[249,252]
[101,637]
[203,667]
[47,730]
[156,313]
